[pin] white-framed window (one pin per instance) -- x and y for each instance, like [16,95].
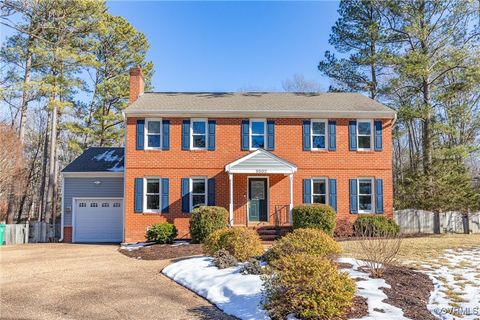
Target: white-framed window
[365,195]
[319,190]
[198,192]
[258,132]
[93,205]
[318,134]
[82,205]
[105,205]
[198,134]
[364,135]
[151,198]
[116,205]
[153,134]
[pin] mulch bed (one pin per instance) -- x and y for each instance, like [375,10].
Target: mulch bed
[164,251]
[410,291]
[359,309]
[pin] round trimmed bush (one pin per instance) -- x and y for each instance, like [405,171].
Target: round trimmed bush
[161,232]
[206,219]
[318,216]
[308,287]
[375,226]
[309,241]
[242,243]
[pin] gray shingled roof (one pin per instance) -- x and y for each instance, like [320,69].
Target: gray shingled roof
[98,159]
[281,104]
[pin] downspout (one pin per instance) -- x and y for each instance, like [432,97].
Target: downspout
[124,173]
[62,213]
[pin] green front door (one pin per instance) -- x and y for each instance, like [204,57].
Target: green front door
[257,199]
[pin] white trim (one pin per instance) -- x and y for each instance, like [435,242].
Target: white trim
[205,120]
[230,207]
[290,211]
[145,136]
[326,188]
[250,133]
[190,187]
[62,209]
[325,122]
[230,167]
[371,134]
[372,181]
[159,210]
[100,174]
[74,205]
[267,195]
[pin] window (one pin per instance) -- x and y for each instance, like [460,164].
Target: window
[319,134]
[152,194]
[82,205]
[365,195]
[319,190]
[198,134]
[105,205]
[153,134]
[198,192]
[116,205]
[93,205]
[364,135]
[257,134]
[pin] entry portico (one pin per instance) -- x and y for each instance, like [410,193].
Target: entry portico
[260,164]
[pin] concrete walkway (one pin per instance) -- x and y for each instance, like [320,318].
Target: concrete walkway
[78,281]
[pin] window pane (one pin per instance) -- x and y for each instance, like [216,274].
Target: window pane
[199,141]
[258,127]
[318,127]
[365,203]
[364,128]
[153,186]
[319,187]
[318,142]
[153,126]
[198,200]
[319,199]
[365,187]
[258,141]
[364,142]
[198,186]
[153,202]
[199,127]
[154,141]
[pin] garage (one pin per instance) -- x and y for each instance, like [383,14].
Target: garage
[98,220]
[92,196]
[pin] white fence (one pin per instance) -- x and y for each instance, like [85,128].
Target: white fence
[16,233]
[421,221]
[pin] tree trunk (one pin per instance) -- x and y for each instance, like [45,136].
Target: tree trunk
[43,183]
[52,183]
[25,95]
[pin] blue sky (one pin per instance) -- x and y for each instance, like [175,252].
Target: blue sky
[228,46]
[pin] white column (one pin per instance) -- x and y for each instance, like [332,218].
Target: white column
[291,196]
[230,208]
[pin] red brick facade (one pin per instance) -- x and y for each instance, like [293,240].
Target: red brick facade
[176,163]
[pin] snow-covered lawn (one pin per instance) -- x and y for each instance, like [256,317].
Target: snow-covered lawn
[241,295]
[456,277]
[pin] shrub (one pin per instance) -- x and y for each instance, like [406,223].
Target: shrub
[205,220]
[375,226]
[378,253]
[307,286]
[223,259]
[242,243]
[344,228]
[318,216]
[161,232]
[310,241]
[252,266]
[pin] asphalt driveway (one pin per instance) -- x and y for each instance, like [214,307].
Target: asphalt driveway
[77,281]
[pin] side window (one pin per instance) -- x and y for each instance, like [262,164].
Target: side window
[198,192]
[82,205]
[319,135]
[153,134]
[257,134]
[93,205]
[364,135]
[105,205]
[152,195]
[365,195]
[116,205]
[319,191]
[198,134]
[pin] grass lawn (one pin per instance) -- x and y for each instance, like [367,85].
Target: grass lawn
[424,248]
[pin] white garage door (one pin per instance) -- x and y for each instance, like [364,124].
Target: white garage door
[98,220]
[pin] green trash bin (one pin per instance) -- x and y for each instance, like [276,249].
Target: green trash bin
[2,234]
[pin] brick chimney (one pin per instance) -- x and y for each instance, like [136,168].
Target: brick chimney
[137,84]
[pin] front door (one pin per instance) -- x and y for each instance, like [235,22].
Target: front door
[257,199]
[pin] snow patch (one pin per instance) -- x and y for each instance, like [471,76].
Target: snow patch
[108,156]
[134,246]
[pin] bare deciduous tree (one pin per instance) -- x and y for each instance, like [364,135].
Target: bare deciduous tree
[299,84]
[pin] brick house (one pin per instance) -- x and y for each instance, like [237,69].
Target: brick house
[256,154]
